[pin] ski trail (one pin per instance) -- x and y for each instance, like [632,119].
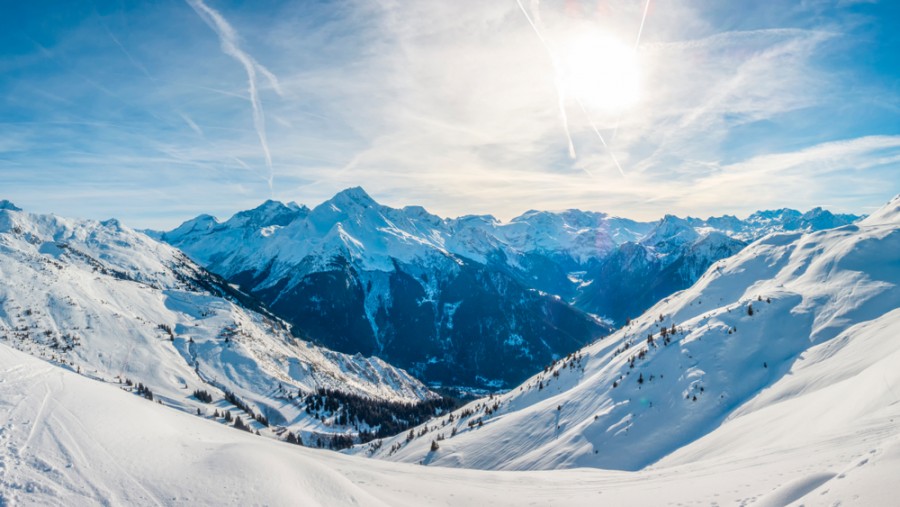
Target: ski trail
[37,421]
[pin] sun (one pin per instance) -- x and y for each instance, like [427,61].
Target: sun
[600,72]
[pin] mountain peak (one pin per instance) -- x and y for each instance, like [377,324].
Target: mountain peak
[670,232]
[671,225]
[353,195]
[268,213]
[887,214]
[4,204]
[201,224]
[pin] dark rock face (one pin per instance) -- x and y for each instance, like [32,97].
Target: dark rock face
[478,327]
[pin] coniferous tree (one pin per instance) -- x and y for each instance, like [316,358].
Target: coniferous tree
[239,424]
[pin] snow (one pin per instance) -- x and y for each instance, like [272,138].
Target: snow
[813,361]
[100,298]
[68,440]
[798,403]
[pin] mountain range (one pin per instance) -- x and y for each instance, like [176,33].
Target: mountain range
[770,381]
[470,301]
[794,340]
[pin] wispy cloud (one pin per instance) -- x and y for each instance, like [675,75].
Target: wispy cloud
[453,106]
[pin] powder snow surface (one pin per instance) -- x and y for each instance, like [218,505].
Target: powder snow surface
[68,440]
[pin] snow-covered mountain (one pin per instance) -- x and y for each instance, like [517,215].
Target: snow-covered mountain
[826,434]
[444,298]
[118,306]
[794,339]
[402,284]
[817,424]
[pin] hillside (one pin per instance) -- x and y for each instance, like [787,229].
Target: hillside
[68,440]
[117,306]
[805,327]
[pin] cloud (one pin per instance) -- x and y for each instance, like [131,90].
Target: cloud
[452,105]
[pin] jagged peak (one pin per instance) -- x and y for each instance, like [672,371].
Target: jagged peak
[297,207]
[816,212]
[112,223]
[670,231]
[270,212]
[571,216]
[270,203]
[670,224]
[353,195]
[4,204]
[268,206]
[468,219]
[528,214]
[770,214]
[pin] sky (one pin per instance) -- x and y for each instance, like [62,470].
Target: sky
[154,112]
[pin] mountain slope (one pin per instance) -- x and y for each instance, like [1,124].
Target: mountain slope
[67,440]
[120,307]
[800,318]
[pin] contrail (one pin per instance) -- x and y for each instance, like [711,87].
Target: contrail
[641,28]
[602,141]
[637,43]
[560,93]
[228,40]
[187,119]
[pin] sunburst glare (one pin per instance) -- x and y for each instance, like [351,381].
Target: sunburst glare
[600,71]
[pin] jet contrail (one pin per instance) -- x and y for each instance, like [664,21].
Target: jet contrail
[228,40]
[602,141]
[560,93]
[637,43]
[187,119]
[560,89]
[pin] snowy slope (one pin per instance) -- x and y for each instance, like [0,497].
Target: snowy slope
[116,305]
[70,441]
[820,348]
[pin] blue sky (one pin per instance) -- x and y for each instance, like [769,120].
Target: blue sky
[153,112]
